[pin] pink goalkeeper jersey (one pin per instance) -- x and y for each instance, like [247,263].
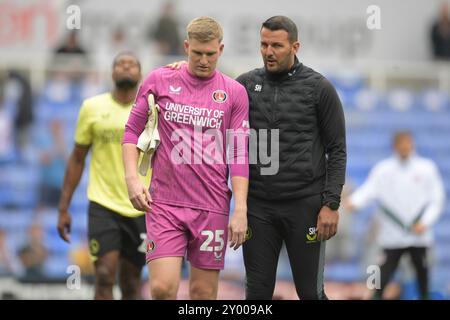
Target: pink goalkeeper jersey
[198,117]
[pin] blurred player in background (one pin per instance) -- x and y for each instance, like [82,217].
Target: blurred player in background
[116,230]
[410,194]
[189,199]
[298,204]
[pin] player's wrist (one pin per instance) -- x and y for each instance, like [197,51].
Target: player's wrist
[330,203]
[63,205]
[63,209]
[333,206]
[240,209]
[131,178]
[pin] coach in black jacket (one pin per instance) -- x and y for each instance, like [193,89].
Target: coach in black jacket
[300,113]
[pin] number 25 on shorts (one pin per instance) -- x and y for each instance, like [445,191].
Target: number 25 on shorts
[217,236]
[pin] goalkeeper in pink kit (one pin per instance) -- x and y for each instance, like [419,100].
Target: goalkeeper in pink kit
[204,130]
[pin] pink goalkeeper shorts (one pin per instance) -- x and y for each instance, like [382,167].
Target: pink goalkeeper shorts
[199,235]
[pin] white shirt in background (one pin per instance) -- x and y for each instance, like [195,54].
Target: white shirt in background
[410,190]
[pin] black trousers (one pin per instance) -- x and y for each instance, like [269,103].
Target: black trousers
[293,222]
[392,257]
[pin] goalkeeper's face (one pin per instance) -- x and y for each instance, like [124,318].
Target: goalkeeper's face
[203,56]
[126,72]
[277,51]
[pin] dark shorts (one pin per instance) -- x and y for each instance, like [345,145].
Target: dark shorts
[110,231]
[272,223]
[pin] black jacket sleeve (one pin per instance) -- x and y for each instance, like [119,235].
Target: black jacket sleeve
[242,79]
[332,130]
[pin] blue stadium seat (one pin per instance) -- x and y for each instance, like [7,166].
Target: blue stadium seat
[55,244]
[79,198]
[58,92]
[347,80]
[14,220]
[434,100]
[78,236]
[79,210]
[19,186]
[79,222]
[56,266]
[439,280]
[343,272]
[366,100]
[400,99]
[48,221]
[441,232]
[442,251]
[145,274]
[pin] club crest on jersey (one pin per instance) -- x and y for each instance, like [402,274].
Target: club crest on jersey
[219,96]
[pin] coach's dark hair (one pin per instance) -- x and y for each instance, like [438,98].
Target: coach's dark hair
[282,23]
[126,53]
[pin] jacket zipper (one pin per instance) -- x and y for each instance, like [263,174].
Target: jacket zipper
[275,96]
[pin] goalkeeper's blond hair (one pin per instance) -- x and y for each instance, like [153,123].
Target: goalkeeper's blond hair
[204,29]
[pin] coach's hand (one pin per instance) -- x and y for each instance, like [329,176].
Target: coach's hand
[176,65]
[139,195]
[327,223]
[64,223]
[237,228]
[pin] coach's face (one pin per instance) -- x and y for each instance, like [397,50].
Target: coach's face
[126,72]
[202,56]
[277,51]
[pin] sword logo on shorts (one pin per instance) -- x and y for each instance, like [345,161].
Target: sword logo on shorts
[150,246]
